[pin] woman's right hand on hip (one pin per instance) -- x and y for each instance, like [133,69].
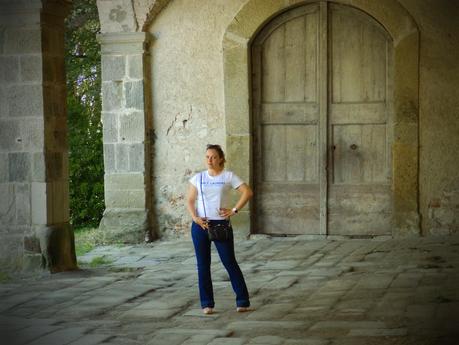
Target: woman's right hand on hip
[202,222]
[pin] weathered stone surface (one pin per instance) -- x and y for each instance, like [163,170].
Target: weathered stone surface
[19,167]
[132,127]
[17,107]
[125,199]
[31,68]
[9,69]
[127,226]
[32,134]
[39,202]
[134,94]
[127,181]
[109,158]
[112,95]
[135,66]
[110,127]
[57,245]
[4,171]
[113,67]
[122,157]
[10,138]
[137,157]
[38,167]
[23,206]
[22,41]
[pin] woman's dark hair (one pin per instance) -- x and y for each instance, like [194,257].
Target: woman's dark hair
[219,150]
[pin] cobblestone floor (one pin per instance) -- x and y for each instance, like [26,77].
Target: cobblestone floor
[312,292]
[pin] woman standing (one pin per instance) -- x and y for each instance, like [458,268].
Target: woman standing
[208,202]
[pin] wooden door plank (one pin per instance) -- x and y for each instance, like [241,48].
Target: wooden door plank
[323,117]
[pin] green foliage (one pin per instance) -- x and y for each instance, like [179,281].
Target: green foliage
[84,114]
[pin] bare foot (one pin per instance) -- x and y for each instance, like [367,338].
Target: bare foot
[208,311]
[242,309]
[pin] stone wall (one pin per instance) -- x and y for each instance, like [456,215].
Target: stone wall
[189,107]
[34,204]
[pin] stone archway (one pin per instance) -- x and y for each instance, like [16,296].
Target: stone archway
[405,150]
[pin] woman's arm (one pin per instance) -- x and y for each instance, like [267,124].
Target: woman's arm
[246,195]
[190,205]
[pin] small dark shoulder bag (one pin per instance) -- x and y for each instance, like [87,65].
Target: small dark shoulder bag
[217,231]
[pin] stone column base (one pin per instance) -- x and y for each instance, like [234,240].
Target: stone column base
[125,226]
[57,245]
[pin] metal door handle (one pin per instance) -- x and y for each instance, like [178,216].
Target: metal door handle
[353,146]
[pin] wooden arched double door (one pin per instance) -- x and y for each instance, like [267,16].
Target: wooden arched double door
[322,123]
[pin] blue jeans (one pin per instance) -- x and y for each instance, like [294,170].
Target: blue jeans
[226,252]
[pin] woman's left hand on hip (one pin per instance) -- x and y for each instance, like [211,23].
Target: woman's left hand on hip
[225,212]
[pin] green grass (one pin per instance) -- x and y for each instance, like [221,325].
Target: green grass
[99,261]
[4,277]
[86,239]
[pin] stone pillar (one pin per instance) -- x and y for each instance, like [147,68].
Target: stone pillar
[34,203]
[126,122]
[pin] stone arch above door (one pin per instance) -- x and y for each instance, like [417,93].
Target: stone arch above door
[405,150]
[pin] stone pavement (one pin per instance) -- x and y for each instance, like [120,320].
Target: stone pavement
[312,292]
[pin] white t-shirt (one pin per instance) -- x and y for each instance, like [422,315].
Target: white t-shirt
[215,190]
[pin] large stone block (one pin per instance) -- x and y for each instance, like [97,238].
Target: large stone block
[25,100]
[9,69]
[125,199]
[7,204]
[10,138]
[22,41]
[129,181]
[57,245]
[122,157]
[109,158]
[125,226]
[33,134]
[4,167]
[3,102]
[31,68]
[112,95]
[19,166]
[137,157]
[11,251]
[38,167]
[132,127]
[110,127]
[113,67]
[135,66]
[40,203]
[23,207]
[134,94]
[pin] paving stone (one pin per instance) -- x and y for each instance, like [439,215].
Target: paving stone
[227,341]
[267,340]
[91,339]
[349,324]
[380,332]
[168,339]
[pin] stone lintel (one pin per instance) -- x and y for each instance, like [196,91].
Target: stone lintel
[124,43]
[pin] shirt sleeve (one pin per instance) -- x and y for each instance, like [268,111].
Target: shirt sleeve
[194,180]
[236,181]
